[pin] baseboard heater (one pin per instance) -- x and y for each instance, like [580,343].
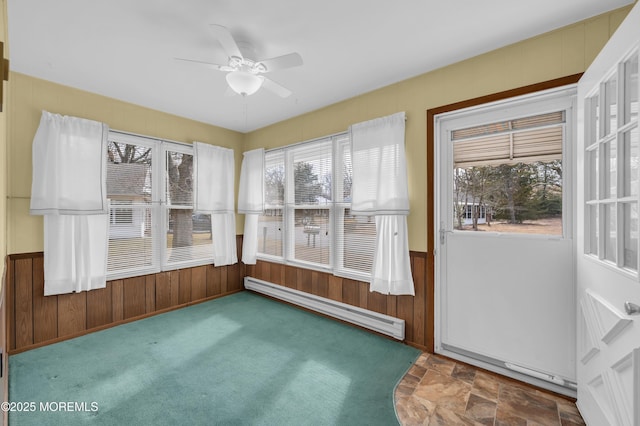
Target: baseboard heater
[375,321]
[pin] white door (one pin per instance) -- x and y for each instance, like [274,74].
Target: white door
[607,245]
[505,294]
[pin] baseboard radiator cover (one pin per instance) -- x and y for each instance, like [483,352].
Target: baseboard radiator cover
[381,323]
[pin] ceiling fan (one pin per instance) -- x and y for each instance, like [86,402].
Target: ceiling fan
[244,75]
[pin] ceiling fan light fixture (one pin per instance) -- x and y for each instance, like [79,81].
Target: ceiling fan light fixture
[244,83]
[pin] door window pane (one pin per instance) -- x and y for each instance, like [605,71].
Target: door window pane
[610,169]
[630,233]
[593,228]
[609,234]
[631,158]
[592,177]
[612,166]
[593,123]
[611,106]
[631,89]
[521,198]
[507,176]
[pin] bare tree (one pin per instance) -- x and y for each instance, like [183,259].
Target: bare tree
[180,171]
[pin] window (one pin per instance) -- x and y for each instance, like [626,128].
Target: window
[508,175]
[612,160]
[307,219]
[150,192]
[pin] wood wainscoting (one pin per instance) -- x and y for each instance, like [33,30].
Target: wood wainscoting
[412,309]
[34,320]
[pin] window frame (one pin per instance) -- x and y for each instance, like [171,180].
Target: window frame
[158,207]
[513,108]
[336,212]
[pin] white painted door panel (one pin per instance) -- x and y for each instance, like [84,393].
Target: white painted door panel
[509,300]
[608,350]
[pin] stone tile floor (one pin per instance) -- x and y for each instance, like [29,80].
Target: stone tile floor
[439,391]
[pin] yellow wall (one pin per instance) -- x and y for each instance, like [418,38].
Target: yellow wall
[28,96]
[552,55]
[3,145]
[556,54]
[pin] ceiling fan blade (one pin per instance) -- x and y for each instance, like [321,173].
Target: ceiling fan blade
[274,87]
[280,62]
[226,40]
[209,64]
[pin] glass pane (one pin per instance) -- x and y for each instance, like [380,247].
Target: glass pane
[610,169]
[311,235]
[270,228]
[592,173]
[609,234]
[631,89]
[274,179]
[359,241]
[593,119]
[128,173]
[312,173]
[515,198]
[129,193]
[179,178]
[631,236]
[611,107]
[631,158]
[593,229]
[188,236]
[130,240]
[346,174]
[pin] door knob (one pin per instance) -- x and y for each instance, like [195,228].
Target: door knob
[631,308]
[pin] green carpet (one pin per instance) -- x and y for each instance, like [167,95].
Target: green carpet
[238,360]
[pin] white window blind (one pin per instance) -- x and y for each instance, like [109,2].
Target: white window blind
[129,183]
[523,140]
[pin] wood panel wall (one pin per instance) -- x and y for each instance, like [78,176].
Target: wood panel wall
[34,320]
[412,309]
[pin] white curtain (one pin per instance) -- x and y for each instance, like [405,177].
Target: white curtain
[69,166]
[251,201]
[214,172]
[69,188]
[379,188]
[75,253]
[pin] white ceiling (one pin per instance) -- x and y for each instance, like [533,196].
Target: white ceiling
[125,49]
